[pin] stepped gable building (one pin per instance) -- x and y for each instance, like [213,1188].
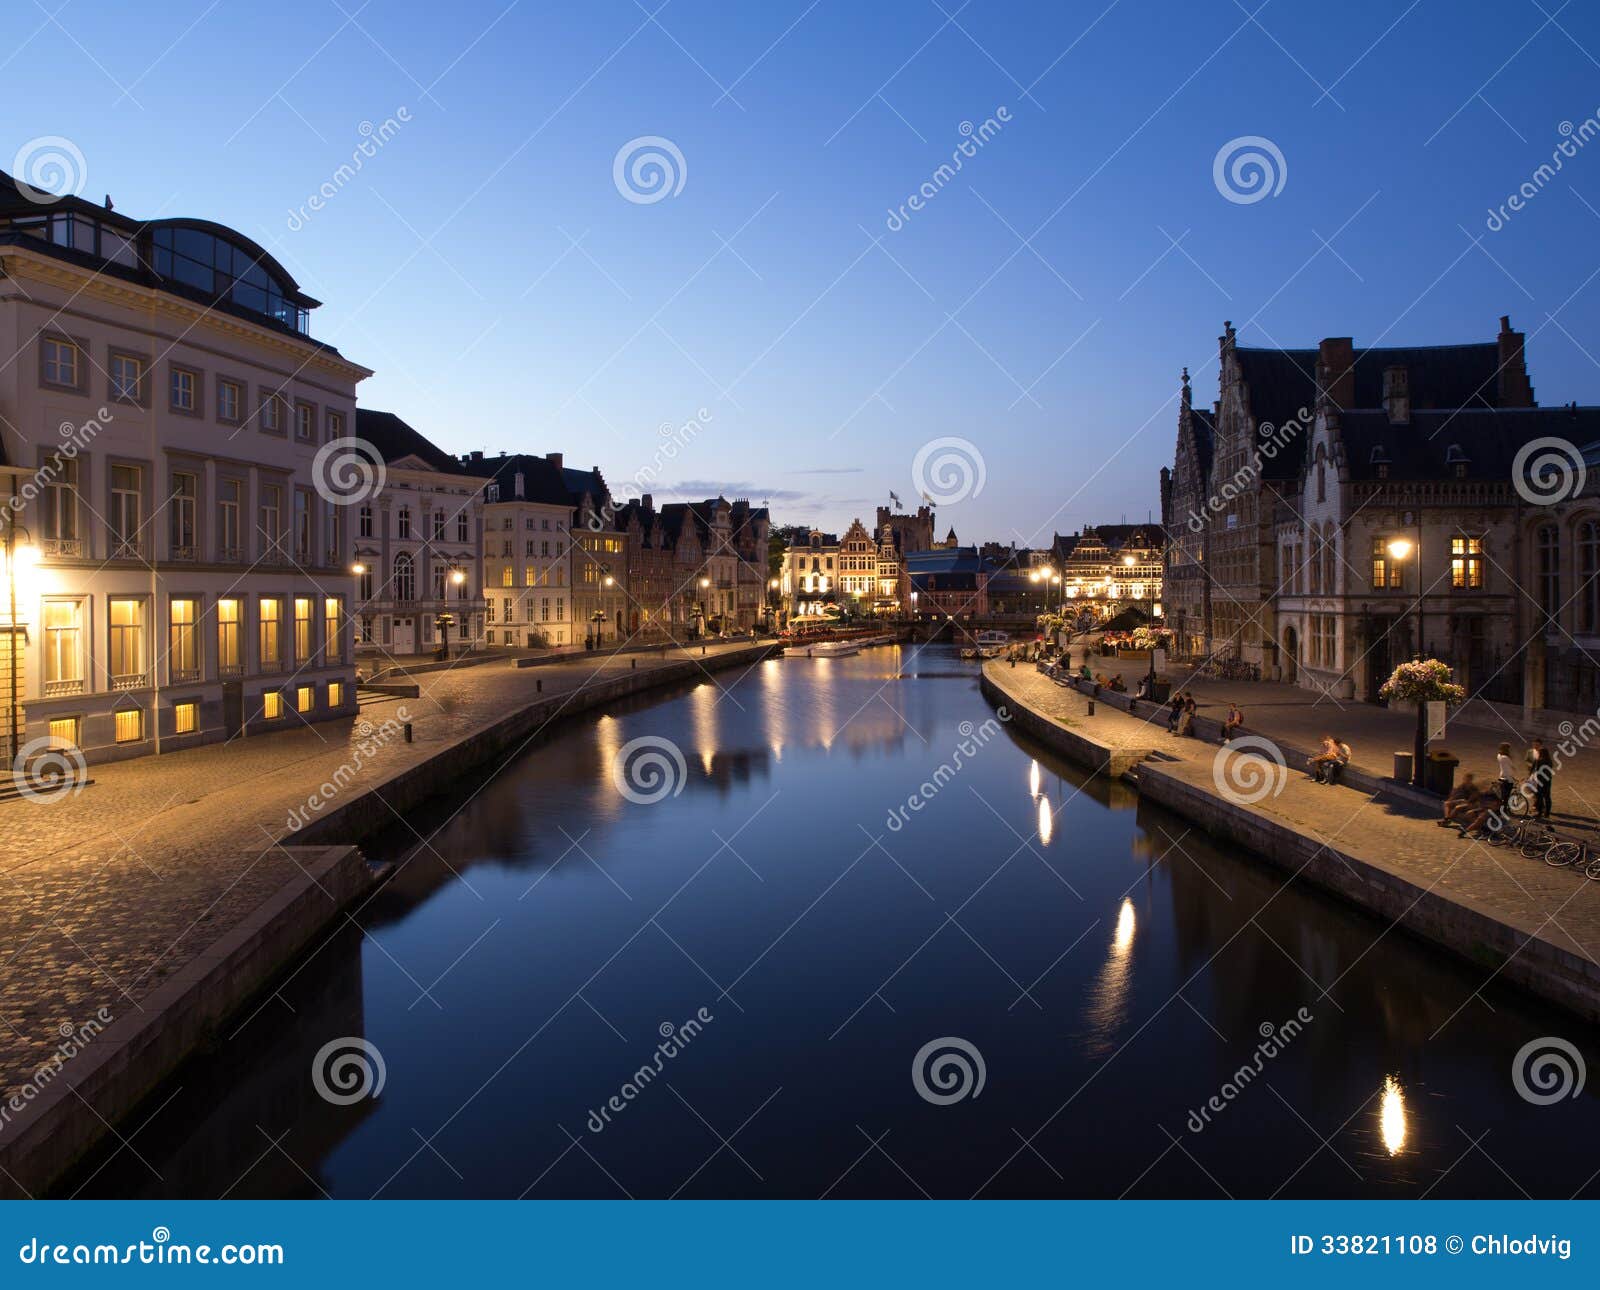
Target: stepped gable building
[1260,432]
[418,545]
[752,530]
[1185,489]
[183,571]
[527,551]
[809,580]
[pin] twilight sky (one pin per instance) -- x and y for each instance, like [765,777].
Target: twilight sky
[486,262]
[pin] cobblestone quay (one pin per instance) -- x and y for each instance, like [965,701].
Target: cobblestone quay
[1521,921]
[113,892]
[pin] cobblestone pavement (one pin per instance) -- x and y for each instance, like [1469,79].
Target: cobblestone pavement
[109,891]
[1557,904]
[1298,718]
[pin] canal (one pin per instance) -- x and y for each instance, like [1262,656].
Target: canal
[724,992]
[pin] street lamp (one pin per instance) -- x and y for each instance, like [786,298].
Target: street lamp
[1400,549]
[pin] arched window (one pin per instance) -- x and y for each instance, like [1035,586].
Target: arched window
[405,577]
[1589,577]
[1547,550]
[1316,564]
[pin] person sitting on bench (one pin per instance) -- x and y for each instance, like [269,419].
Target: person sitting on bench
[1462,802]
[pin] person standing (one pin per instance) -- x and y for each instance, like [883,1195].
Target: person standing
[1506,779]
[1543,767]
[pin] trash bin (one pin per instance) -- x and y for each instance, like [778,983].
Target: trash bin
[1160,691]
[1403,766]
[1439,773]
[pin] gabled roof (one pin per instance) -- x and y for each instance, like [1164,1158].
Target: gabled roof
[541,478]
[395,440]
[1203,431]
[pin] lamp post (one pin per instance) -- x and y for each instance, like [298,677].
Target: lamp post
[1400,549]
[458,578]
[16,556]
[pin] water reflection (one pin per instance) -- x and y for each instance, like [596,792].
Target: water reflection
[1108,998]
[1034,778]
[1047,822]
[1392,1116]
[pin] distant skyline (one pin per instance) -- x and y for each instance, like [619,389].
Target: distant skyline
[808,275]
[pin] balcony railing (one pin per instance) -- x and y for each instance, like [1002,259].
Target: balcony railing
[230,555]
[58,689]
[127,548]
[131,681]
[183,675]
[61,547]
[230,669]
[184,553]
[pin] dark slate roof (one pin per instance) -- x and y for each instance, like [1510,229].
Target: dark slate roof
[394,439]
[1116,536]
[1487,438]
[950,559]
[1203,429]
[541,478]
[1283,381]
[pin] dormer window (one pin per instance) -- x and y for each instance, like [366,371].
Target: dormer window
[519,483]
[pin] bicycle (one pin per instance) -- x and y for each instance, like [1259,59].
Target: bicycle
[1532,838]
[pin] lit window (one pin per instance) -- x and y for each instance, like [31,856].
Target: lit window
[271,705]
[228,636]
[183,648]
[302,628]
[127,642]
[330,629]
[271,636]
[129,725]
[335,693]
[305,698]
[185,718]
[63,654]
[64,730]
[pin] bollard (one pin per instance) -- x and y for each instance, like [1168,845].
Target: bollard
[702,651]
[538,685]
[408,732]
[1091,707]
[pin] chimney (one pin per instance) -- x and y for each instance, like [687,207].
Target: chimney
[477,454]
[1397,395]
[1336,375]
[1512,388]
[554,458]
[648,502]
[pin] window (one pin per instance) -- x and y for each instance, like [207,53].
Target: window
[438,580]
[544,609]
[335,693]
[305,421]
[271,634]
[271,705]
[269,524]
[305,698]
[59,509]
[1466,563]
[1386,573]
[127,377]
[364,523]
[185,718]
[228,542]
[1547,549]
[508,576]
[302,628]
[129,725]
[505,605]
[59,363]
[64,730]
[366,582]
[184,390]
[335,425]
[229,662]
[488,609]
[530,548]
[462,532]
[405,577]
[63,647]
[183,647]
[1589,575]
[181,517]
[272,414]
[461,587]
[403,523]
[302,525]
[438,525]
[127,659]
[228,400]
[330,630]
[127,510]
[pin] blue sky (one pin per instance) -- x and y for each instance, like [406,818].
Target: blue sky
[509,297]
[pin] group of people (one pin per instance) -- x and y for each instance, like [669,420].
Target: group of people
[1474,807]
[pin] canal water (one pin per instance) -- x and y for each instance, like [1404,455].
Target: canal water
[869,942]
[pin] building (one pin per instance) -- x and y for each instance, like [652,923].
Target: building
[1258,435]
[527,551]
[418,546]
[183,547]
[1107,568]
[1408,533]
[810,574]
[661,601]
[858,568]
[599,556]
[899,534]
[752,531]
[949,582]
[1185,489]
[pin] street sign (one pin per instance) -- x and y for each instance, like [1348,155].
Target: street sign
[1436,720]
[1158,660]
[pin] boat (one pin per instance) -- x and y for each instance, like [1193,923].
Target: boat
[824,649]
[981,652]
[989,637]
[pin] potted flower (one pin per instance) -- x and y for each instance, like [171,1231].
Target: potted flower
[1423,681]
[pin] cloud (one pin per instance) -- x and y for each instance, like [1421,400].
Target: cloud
[700,489]
[828,470]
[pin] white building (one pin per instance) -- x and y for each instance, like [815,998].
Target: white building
[418,545]
[181,570]
[527,551]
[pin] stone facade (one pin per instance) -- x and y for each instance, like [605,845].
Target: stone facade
[527,552]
